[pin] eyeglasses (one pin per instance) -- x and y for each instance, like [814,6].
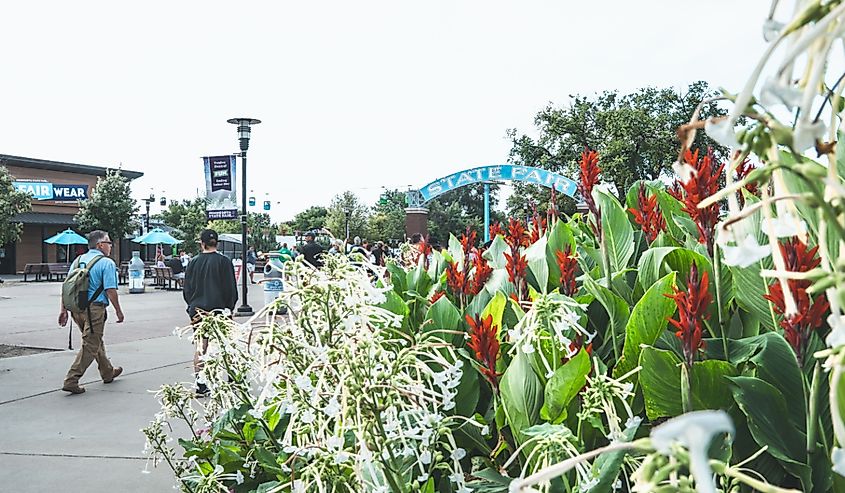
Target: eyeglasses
[106,242]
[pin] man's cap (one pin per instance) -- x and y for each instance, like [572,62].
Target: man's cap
[208,235]
[310,233]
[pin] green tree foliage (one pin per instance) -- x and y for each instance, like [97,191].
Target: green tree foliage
[347,207]
[387,221]
[12,202]
[110,207]
[260,231]
[189,219]
[311,218]
[458,209]
[635,135]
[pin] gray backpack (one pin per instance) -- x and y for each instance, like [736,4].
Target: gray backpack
[75,287]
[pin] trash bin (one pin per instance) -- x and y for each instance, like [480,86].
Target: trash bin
[136,274]
[272,282]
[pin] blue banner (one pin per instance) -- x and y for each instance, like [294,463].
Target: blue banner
[526,174]
[220,189]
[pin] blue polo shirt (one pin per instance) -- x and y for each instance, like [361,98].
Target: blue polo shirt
[103,274]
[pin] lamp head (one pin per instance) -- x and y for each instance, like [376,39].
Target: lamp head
[244,127]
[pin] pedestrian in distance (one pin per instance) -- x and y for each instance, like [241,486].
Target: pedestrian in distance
[312,252]
[90,287]
[251,260]
[209,286]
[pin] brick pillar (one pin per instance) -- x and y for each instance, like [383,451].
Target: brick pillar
[416,221]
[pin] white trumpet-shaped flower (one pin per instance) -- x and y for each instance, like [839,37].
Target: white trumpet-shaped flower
[747,252]
[806,133]
[774,92]
[784,226]
[722,131]
[694,431]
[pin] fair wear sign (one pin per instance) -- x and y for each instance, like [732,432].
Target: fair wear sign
[44,190]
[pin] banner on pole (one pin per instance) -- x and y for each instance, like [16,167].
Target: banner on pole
[220,187]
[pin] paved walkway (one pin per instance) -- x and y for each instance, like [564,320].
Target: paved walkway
[53,441]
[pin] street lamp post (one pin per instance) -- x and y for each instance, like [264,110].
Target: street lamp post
[148,200]
[244,125]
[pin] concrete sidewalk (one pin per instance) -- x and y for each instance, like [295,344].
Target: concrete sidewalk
[54,441]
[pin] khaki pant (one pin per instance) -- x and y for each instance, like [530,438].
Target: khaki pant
[92,346]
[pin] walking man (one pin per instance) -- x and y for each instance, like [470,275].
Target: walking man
[209,285]
[102,290]
[312,251]
[251,260]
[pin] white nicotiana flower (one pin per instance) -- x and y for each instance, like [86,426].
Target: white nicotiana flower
[837,330]
[485,430]
[784,226]
[239,477]
[341,457]
[633,422]
[456,477]
[464,489]
[425,457]
[290,449]
[332,409]
[527,348]
[746,253]
[772,29]
[694,431]
[308,416]
[722,131]
[806,133]
[588,485]
[458,454]
[298,486]
[684,171]
[774,92]
[303,382]
[422,478]
[837,457]
[334,442]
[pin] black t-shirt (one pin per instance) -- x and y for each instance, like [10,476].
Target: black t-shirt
[175,265]
[378,255]
[313,252]
[210,283]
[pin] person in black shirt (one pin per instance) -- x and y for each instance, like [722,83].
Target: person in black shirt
[378,254]
[209,285]
[175,264]
[312,251]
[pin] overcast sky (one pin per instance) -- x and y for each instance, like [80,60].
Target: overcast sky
[353,95]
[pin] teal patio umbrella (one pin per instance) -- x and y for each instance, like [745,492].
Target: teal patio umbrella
[156,237]
[67,237]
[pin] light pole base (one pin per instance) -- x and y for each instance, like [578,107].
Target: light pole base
[244,311]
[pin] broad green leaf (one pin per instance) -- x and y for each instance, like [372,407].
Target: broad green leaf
[468,392]
[495,253]
[397,278]
[617,310]
[394,304]
[776,363]
[765,407]
[443,314]
[560,236]
[749,289]
[456,250]
[564,385]
[496,308]
[617,230]
[651,266]
[660,379]
[538,268]
[522,395]
[647,321]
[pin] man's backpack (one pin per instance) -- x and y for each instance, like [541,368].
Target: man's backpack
[75,287]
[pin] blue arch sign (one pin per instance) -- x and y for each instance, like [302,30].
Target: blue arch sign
[528,174]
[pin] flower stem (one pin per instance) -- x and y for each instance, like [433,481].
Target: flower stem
[605,256]
[686,390]
[717,275]
[813,420]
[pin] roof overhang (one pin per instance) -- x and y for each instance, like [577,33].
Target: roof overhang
[84,169]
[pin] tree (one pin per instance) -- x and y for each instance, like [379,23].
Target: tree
[458,209]
[189,219]
[346,207]
[635,135]
[110,207]
[387,221]
[12,202]
[311,218]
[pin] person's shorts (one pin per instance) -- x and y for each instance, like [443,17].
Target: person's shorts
[250,267]
[180,275]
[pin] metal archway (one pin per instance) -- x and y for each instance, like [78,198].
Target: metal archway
[487,174]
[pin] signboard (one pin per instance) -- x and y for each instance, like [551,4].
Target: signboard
[43,190]
[526,174]
[220,188]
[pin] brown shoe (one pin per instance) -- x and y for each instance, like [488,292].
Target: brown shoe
[74,390]
[117,371]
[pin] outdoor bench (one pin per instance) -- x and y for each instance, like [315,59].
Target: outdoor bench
[36,270]
[58,270]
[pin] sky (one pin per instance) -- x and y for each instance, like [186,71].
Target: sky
[352,95]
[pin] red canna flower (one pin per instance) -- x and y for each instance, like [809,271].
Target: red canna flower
[648,216]
[425,250]
[481,273]
[516,233]
[552,213]
[485,344]
[567,262]
[538,229]
[589,178]
[516,266]
[496,230]
[798,327]
[692,311]
[436,296]
[455,278]
[703,183]
[468,241]
[743,169]
[676,191]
